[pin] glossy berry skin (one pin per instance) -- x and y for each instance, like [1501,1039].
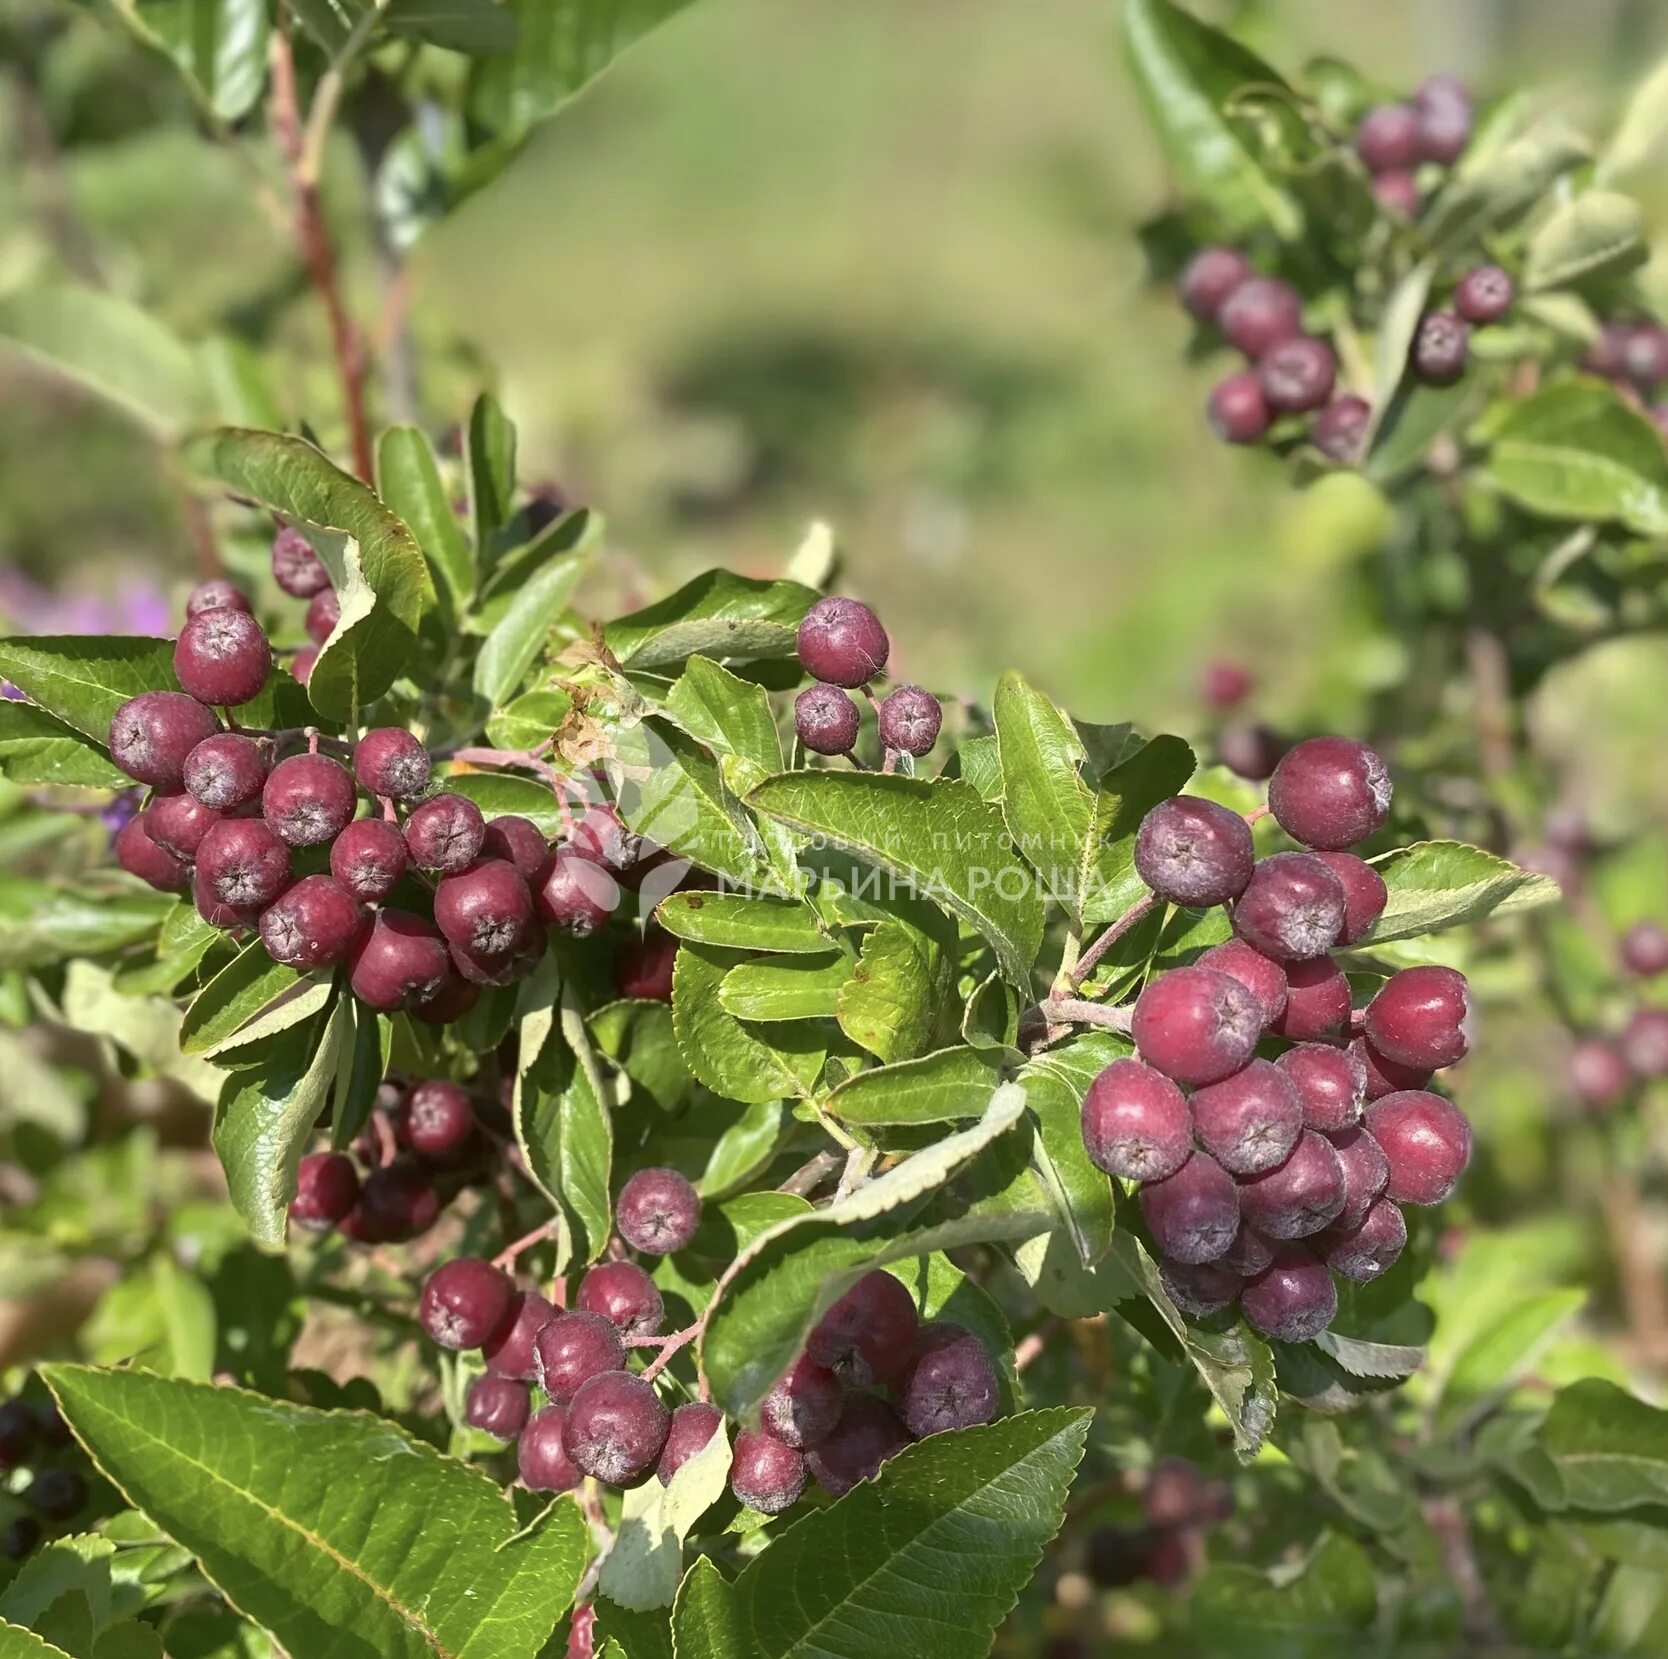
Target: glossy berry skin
[1263,977]
[910,719]
[574,893]
[1298,1197]
[140,856]
[1645,950]
[603,837]
[223,657]
[1330,792]
[1331,1085]
[1250,751]
[313,924]
[841,642]
[1366,1170]
[1365,894]
[326,1189]
[1484,295]
[463,1302]
[308,800]
[390,763]
[825,720]
[867,1434]
[1387,138]
[1597,1074]
[1248,1122]
[509,1351]
[225,771]
[1237,411]
[485,909]
[1293,1299]
[624,1295]
[296,568]
[1398,193]
[1441,348]
[952,1385]
[1317,1001]
[1199,1289]
[765,1474]
[243,864]
[395,1204]
[498,1407]
[1208,278]
[804,1406]
[1383,1075]
[444,834]
[401,962]
[1192,1215]
[368,858]
[1260,313]
[643,967]
[541,1458]
[867,1338]
[1370,1248]
[1136,1122]
[1194,852]
[573,1348]
[1427,1140]
[215,595]
[1445,116]
[1248,1255]
[1297,375]
[57,1494]
[616,1428]
[1293,909]
[436,1121]
[1422,1017]
[518,841]
[151,735]
[323,613]
[657,1211]
[1196,1025]
[693,1426]
[1645,1042]
[1339,431]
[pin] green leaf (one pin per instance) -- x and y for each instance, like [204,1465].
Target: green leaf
[1187,73]
[685,805]
[937,835]
[643,1568]
[37,747]
[374,560]
[1643,126]
[499,794]
[639,1635]
[953,1084]
[219,46]
[146,1027]
[416,1556]
[743,1148]
[1609,1449]
[1441,884]
[705,1618]
[40,924]
[926,1559]
[530,721]
[1598,235]
[158,1315]
[510,649]
[1514,1338]
[1127,793]
[1055,1084]
[1415,417]
[18,1643]
[730,1059]
[246,985]
[408,479]
[83,680]
[474,26]
[490,449]
[727,714]
[1504,188]
[896,1000]
[793,988]
[736,921]
[1331,1603]
[1398,324]
[720,615]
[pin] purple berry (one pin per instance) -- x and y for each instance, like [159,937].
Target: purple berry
[518,841]
[1263,977]
[301,664]
[215,595]
[1293,1299]
[1331,1085]
[1366,1170]
[867,1338]
[401,962]
[485,908]
[391,764]
[1208,278]
[296,568]
[952,1385]
[498,1407]
[1136,1123]
[395,1204]
[1339,431]
[693,1426]
[323,613]
[226,771]
[1427,1141]
[223,657]
[18,1433]
[1317,1001]
[436,1121]
[1383,1075]
[657,1211]
[178,823]
[804,1406]
[1248,1255]
[1398,193]
[867,1434]
[368,858]
[243,864]
[326,1189]
[1645,355]
[1194,852]
[1249,1122]
[1484,295]
[1445,116]
[1238,412]
[541,1458]
[841,642]
[1199,1289]
[1422,1017]
[1597,1073]
[1365,894]
[152,734]
[1196,1025]
[1293,909]
[643,968]
[1260,313]
[1192,1215]
[825,719]
[313,924]
[1645,1042]
[445,833]
[573,1348]
[1441,348]
[463,1302]
[308,800]
[1645,950]
[509,1351]
[575,893]
[57,1494]
[1297,375]
[909,720]
[616,1428]
[1250,751]
[765,1474]
[625,1296]
[1365,1251]
[1387,138]
[1298,1197]
[1330,792]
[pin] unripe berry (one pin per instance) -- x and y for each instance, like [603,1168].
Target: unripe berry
[1645,356]
[616,1428]
[1260,313]
[1331,1085]
[1597,1073]
[867,1434]
[1387,138]
[1645,950]
[1484,295]
[952,1385]
[1196,1025]
[1194,852]
[1298,1197]
[841,642]
[1330,792]
[1371,1247]
[573,1348]
[57,1494]
[445,833]
[1238,412]
[1208,278]
[574,893]
[517,840]
[215,595]
[1199,1289]
[396,1204]
[825,719]
[867,1338]
[1248,1122]
[140,856]
[509,1351]
[643,967]
[1383,1075]
[1645,1042]
[223,657]
[485,908]
[1339,431]
[765,1474]
[1317,1001]
[389,762]
[323,613]
[804,1406]
[1427,1141]
[313,924]
[296,568]
[402,961]
[909,720]
[624,1295]
[1444,110]
[1366,1170]
[368,858]
[308,800]
[225,771]
[1297,375]
[657,1211]
[1293,909]
[693,1426]
[541,1459]
[1441,348]
[463,1302]
[1224,684]
[326,1189]
[1365,894]
[1250,751]
[436,1121]
[1292,1300]
[1263,977]
[1193,1214]
[498,1407]
[243,864]
[1136,1123]
[151,735]
[1248,1255]
[1422,1017]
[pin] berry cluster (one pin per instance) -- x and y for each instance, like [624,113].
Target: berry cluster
[1272,1171]
[843,647]
[35,1438]
[1178,1504]
[1603,1071]
[301,573]
[1633,356]
[1394,141]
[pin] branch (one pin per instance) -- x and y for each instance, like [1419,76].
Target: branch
[1086,963]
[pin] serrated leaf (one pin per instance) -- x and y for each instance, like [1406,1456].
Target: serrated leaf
[720,615]
[18,1643]
[1055,1084]
[1049,809]
[743,1149]
[37,747]
[953,1084]
[473,26]
[414,1556]
[729,1058]
[530,721]
[510,649]
[146,1027]
[83,680]
[1609,1449]
[738,921]
[793,988]
[40,924]
[1441,884]
[896,1001]
[639,1635]
[499,794]
[1331,1602]
[250,982]
[728,714]
[685,805]
[408,479]
[1597,235]
[704,1618]
[643,1568]
[1371,1359]
[1508,1345]
[1502,188]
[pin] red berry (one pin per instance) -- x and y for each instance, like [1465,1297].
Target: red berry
[395,1204]
[1194,852]
[509,1351]
[1339,431]
[1250,1121]
[867,1434]
[1444,110]
[1251,751]
[326,1189]
[1293,909]
[616,1428]
[1199,1289]
[223,657]
[1238,411]
[867,1337]
[463,1302]
[1293,1299]
[1225,685]
[1422,1017]
[140,856]
[1607,356]
[1208,278]
[1192,1215]
[436,1121]
[213,911]
[313,924]
[301,664]
[541,1459]
[1298,1197]
[1384,1076]
[243,864]
[1387,138]
[1427,1141]
[1177,1495]
[1597,1073]
[1263,977]
[1441,348]
[368,858]
[643,967]
[401,962]
[603,837]
[804,1406]
[1196,1024]
[1365,894]
[909,720]
[1645,355]
[449,1001]
[1484,295]
[151,735]
[693,1426]
[1366,1169]
[1645,950]
[485,909]
[518,841]
[573,1348]
[1136,1123]
[1317,1001]
[841,642]
[575,893]
[323,613]
[1331,1084]
[1365,1251]
[308,800]
[1248,1255]
[657,1211]
[215,595]
[445,834]
[225,771]
[624,1295]
[1330,792]
[765,1474]
[498,1407]
[1297,375]
[296,568]
[1260,313]
[952,1385]
[825,719]
[390,763]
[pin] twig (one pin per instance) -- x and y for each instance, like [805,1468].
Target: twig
[859,1161]
[521,760]
[1031,1346]
[1074,1011]
[508,1256]
[1136,913]
[669,1346]
[811,1174]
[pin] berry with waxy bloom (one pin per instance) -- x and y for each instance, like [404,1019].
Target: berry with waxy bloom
[1261,975]
[1208,278]
[1399,192]
[1293,909]
[826,720]
[1259,314]
[1645,950]
[841,642]
[625,1296]
[223,657]
[868,1336]
[444,834]
[1297,1197]
[323,613]
[573,1348]
[498,1407]
[1248,1255]
[226,771]
[574,893]
[243,865]
[657,1211]
[326,1189]
[1383,1075]
[485,908]
[152,734]
[1422,1017]
[1484,295]
[1331,1084]
[1250,1121]
[1427,1140]
[1645,1042]
[909,719]
[1387,138]
[1441,348]
[390,763]
[215,595]
[643,967]
[1365,894]
[1330,792]
[1366,1170]
[1365,1251]
[765,1474]
[1238,411]
[1194,852]
[308,800]
[616,1428]
[1250,751]
[693,1425]
[436,1120]
[1136,1122]
[1200,1289]
[396,1203]
[1196,1024]
[313,924]
[509,1351]
[463,1302]
[518,841]
[867,1434]
[1297,375]
[1293,1299]
[1192,1215]
[804,1405]
[541,1458]
[1339,431]
[296,568]
[1317,1001]
[952,1384]
[368,858]
[400,963]
[1597,1073]
[1445,116]
[140,856]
